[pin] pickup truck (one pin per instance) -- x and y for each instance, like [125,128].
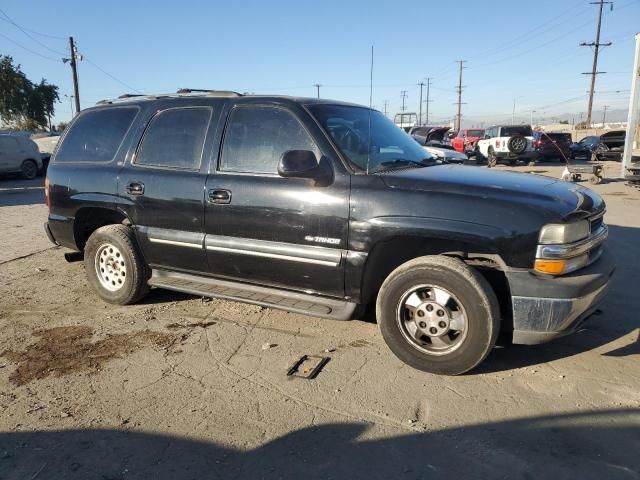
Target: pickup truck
[328,209]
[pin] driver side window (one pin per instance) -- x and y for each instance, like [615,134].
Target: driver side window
[257,136]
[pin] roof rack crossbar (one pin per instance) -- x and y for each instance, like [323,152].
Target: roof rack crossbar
[221,93]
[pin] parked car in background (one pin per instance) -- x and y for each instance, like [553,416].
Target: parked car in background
[550,145]
[431,136]
[594,149]
[19,154]
[466,139]
[614,139]
[46,144]
[506,142]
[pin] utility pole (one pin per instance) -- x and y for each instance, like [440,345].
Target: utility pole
[74,69]
[420,108]
[386,105]
[426,122]
[317,85]
[404,95]
[604,114]
[459,90]
[596,50]
[532,112]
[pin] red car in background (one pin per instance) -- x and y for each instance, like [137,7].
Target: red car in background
[465,141]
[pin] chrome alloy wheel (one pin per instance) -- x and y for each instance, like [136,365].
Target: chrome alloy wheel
[432,319]
[111,267]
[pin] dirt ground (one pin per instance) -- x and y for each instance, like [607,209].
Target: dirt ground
[179,387]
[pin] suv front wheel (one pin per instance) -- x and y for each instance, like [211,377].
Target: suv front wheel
[438,315]
[114,266]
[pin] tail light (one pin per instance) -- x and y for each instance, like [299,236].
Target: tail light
[497,143]
[46,191]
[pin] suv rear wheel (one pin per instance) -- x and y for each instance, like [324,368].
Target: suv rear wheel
[492,159]
[114,266]
[438,315]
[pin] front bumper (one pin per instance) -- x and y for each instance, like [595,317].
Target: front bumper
[545,308]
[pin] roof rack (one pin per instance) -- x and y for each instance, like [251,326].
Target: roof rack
[183,92]
[217,93]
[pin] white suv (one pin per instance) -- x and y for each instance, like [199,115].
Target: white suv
[19,154]
[506,142]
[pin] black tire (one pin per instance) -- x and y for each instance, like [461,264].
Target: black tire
[513,162]
[29,169]
[492,159]
[470,289]
[479,157]
[134,286]
[517,144]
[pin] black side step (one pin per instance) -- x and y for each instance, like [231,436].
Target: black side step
[264,296]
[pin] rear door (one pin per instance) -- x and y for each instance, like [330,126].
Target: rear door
[163,186]
[266,229]
[10,160]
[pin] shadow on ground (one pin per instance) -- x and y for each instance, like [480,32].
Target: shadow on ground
[586,446]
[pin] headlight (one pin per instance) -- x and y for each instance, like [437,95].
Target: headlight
[560,233]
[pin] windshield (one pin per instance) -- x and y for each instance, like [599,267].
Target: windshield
[390,146]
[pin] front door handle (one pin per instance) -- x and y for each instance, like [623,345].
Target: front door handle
[135,188]
[219,196]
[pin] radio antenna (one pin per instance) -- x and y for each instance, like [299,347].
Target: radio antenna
[370,106]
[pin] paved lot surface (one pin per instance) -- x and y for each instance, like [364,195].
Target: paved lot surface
[179,387]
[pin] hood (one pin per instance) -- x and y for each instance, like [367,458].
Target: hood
[561,200]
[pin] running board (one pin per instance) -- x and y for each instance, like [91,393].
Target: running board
[263,296]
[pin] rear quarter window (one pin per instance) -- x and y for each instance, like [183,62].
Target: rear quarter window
[96,135]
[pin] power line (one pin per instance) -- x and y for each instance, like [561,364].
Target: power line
[8,19]
[113,77]
[29,50]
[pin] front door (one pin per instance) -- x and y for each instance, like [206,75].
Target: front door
[263,228]
[164,186]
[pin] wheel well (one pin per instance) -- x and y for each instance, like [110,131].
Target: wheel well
[89,219]
[386,256]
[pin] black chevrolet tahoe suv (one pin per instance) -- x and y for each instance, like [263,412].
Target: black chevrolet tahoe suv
[328,209]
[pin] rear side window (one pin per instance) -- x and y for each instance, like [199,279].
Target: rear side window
[8,145]
[96,135]
[175,139]
[257,136]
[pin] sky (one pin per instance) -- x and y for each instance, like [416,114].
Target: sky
[518,51]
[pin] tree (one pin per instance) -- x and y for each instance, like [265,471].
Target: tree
[23,104]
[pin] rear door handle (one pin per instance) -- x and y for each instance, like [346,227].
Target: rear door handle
[219,196]
[135,188]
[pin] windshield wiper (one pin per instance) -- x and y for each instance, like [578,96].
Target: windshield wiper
[399,163]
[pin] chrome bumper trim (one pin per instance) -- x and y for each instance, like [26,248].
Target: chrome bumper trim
[554,252]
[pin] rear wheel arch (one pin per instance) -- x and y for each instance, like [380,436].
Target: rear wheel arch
[88,219]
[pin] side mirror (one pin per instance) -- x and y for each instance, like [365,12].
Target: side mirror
[304,164]
[487,137]
[298,164]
